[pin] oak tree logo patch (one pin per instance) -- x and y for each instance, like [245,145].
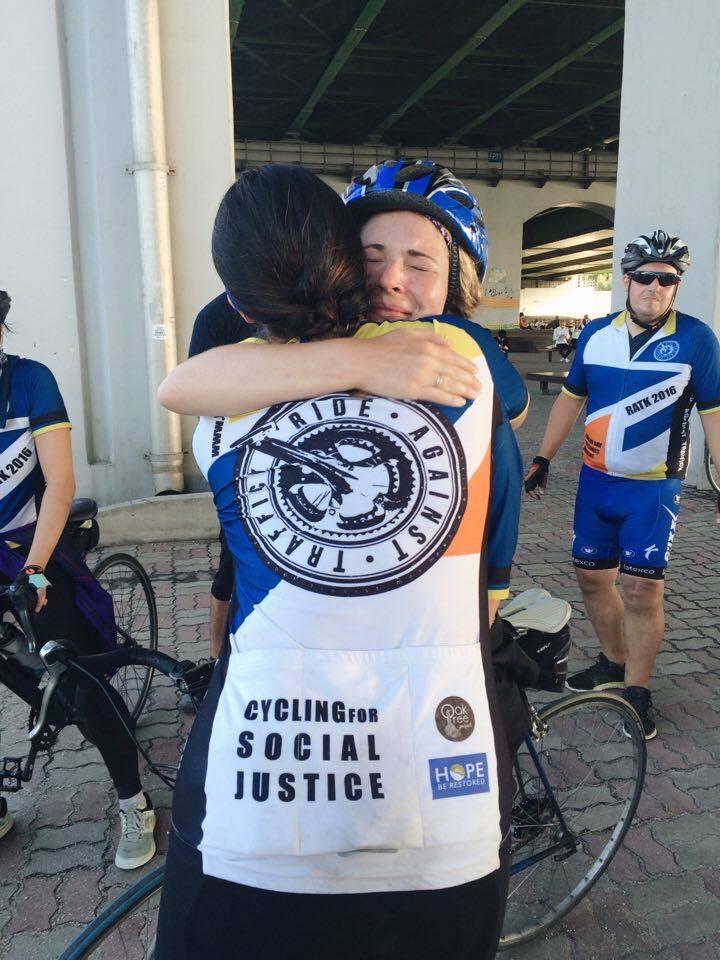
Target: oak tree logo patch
[350,495]
[454,718]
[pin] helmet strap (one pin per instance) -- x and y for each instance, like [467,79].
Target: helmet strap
[453,276]
[649,324]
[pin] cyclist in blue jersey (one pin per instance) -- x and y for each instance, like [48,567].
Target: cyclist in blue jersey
[425,255]
[640,372]
[36,489]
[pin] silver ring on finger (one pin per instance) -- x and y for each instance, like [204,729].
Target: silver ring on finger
[439,380]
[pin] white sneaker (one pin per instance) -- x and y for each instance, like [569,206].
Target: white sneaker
[6,818]
[137,840]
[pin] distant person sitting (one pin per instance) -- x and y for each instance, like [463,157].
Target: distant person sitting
[502,341]
[574,334]
[561,339]
[522,322]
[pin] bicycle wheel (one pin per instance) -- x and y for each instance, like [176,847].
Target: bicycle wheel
[128,584]
[711,469]
[592,758]
[126,929]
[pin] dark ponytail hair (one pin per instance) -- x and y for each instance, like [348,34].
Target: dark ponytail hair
[289,254]
[5,302]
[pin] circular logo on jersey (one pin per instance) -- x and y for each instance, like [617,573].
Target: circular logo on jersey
[628,553]
[457,772]
[667,350]
[589,550]
[454,718]
[351,496]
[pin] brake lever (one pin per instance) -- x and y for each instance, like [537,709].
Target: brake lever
[19,598]
[54,656]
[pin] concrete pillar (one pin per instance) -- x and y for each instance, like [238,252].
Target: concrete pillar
[669,148]
[69,252]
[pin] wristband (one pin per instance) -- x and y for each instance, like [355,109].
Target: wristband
[36,576]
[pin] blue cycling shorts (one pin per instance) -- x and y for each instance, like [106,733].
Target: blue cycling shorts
[625,523]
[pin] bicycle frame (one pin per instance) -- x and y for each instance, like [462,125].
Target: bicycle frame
[567,841]
[13,771]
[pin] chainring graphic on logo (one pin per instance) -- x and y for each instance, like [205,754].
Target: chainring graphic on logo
[667,350]
[351,496]
[454,718]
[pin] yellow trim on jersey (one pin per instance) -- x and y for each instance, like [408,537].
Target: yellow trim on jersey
[658,472]
[499,594]
[521,414]
[668,328]
[575,396]
[711,410]
[460,341]
[53,426]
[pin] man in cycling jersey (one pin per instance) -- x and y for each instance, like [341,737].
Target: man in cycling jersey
[640,371]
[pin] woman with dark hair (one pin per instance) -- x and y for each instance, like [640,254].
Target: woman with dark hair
[37,485]
[344,791]
[426,253]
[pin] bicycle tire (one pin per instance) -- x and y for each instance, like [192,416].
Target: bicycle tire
[108,925]
[545,896]
[711,471]
[115,573]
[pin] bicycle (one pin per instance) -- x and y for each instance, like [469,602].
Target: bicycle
[594,735]
[121,930]
[137,628]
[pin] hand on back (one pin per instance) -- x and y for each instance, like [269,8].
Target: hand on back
[417,365]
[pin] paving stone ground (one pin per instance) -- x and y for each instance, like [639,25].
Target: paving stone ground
[660,898]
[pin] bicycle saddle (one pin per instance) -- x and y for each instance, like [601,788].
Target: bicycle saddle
[82,509]
[536,609]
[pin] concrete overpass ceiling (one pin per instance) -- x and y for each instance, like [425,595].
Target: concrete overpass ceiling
[567,240]
[492,74]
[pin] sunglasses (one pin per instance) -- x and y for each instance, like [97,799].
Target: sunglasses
[646,277]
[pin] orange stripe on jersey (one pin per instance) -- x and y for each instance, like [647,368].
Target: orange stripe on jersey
[594,446]
[468,538]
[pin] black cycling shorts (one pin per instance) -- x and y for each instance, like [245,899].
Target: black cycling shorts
[222,585]
[204,918]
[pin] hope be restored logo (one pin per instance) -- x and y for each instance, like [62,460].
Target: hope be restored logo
[350,495]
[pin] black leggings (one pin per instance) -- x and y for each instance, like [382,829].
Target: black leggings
[95,718]
[204,918]
[222,585]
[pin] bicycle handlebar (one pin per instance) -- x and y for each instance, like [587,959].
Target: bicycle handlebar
[21,596]
[113,659]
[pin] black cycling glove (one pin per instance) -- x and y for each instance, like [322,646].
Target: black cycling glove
[537,475]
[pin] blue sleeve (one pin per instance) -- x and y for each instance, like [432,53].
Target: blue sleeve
[218,325]
[504,513]
[46,408]
[508,383]
[576,385]
[705,376]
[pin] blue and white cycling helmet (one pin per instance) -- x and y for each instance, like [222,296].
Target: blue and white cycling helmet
[661,247]
[424,187]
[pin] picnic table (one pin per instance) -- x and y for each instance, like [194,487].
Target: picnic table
[545,377]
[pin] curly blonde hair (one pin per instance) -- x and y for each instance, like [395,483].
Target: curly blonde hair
[468,294]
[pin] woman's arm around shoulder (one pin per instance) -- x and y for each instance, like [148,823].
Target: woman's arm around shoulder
[233,380]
